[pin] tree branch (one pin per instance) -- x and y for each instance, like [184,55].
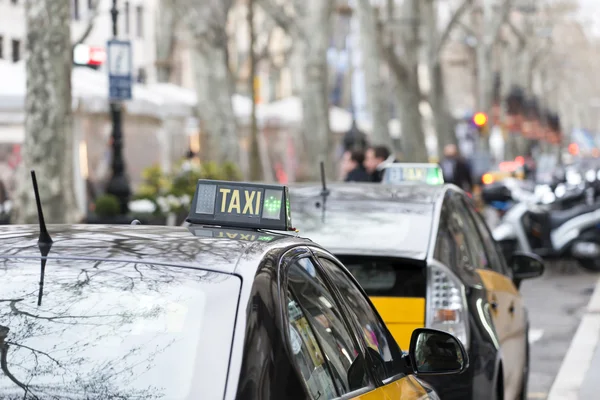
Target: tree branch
[520,36]
[396,65]
[282,19]
[34,351]
[454,21]
[4,366]
[501,17]
[467,29]
[89,27]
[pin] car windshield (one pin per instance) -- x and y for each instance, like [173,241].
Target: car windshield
[114,330]
[380,227]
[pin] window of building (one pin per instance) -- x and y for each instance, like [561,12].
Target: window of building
[126,17]
[13,1]
[91,4]
[1,47]
[139,16]
[16,50]
[76,10]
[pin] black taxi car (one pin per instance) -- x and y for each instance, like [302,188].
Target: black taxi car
[225,308]
[427,259]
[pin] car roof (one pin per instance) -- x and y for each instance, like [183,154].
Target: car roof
[393,220]
[161,245]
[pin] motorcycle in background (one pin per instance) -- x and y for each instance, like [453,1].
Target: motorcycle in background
[537,220]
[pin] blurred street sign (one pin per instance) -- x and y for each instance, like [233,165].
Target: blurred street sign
[120,70]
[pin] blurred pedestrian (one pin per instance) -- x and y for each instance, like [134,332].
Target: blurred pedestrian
[353,167]
[376,158]
[455,169]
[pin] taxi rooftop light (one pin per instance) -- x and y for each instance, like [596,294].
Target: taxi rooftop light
[428,173]
[241,205]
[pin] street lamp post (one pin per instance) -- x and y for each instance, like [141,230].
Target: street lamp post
[119,183]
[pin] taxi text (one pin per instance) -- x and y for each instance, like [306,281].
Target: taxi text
[245,202]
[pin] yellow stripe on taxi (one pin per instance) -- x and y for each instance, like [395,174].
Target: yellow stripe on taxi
[402,315]
[406,388]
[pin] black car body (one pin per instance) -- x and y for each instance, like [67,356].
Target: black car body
[426,258]
[137,312]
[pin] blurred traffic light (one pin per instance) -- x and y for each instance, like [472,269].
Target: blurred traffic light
[480,120]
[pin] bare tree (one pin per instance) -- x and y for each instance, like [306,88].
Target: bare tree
[255,159]
[206,21]
[403,61]
[378,102]
[48,147]
[166,25]
[491,23]
[308,23]
[435,42]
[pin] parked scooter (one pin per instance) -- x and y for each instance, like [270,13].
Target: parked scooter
[533,224]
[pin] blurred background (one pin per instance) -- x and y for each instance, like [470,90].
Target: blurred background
[266,89]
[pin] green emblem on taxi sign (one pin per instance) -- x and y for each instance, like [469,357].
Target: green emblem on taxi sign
[430,174]
[241,205]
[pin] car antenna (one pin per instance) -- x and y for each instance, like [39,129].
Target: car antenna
[324,191]
[44,240]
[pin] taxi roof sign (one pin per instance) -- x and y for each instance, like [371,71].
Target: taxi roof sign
[427,173]
[241,205]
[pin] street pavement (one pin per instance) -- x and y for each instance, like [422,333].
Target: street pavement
[556,302]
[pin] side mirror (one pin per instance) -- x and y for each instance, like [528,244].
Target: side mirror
[526,266]
[434,352]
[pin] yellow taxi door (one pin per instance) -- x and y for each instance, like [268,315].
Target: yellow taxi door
[407,388]
[402,315]
[506,306]
[508,316]
[502,295]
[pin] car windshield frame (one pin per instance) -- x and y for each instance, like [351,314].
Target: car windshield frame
[74,340]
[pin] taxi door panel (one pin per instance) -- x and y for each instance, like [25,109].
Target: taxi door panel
[402,315]
[509,320]
[406,388]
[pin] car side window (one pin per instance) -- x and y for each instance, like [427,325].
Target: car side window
[374,332]
[309,358]
[446,249]
[475,247]
[458,254]
[496,257]
[332,333]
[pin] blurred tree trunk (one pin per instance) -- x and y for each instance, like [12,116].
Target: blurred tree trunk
[378,102]
[408,94]
[255,160]
[309,26]
[491,23]
[48,147]
[405,73]
[435,42]
[166,25]
[315,94]
[206,22]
